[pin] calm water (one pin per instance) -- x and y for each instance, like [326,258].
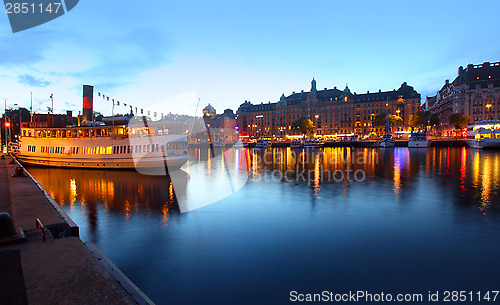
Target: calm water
[409,221]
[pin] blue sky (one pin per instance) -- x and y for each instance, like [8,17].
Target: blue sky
[164,55]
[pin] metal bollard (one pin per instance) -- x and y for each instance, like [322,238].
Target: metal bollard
[18,172]
[7,228]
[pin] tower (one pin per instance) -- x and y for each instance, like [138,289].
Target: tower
[209,111]
[313,85]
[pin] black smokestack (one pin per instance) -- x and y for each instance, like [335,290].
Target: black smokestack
[88,102]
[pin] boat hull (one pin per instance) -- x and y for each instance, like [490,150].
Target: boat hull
[386,144]
[483,143]
[418,144]
[112,163]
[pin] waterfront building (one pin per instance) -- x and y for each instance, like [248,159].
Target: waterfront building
[333,112]
[474,92]
[222,127]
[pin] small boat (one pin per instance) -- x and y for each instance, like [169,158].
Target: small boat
[484,134]
[314,143]
[219,143]
[418,139]
[297,143]
[387,141]
[263,144]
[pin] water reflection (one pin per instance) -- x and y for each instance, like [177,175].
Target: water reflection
[273,208]
[122,193]
[207,179]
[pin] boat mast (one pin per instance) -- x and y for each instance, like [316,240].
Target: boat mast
[387,118]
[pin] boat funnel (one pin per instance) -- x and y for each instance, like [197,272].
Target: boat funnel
[88,102]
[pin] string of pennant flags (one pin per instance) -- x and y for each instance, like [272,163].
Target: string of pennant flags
[117,103]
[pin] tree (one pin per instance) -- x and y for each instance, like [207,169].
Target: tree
[459,120]
[304,125]
[97,116]
[380,119]
[419,119]
[434,119]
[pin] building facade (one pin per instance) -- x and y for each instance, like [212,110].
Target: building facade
[333,112]
[222,127]
[474,92]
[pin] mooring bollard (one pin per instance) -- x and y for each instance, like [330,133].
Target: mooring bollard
[7,228]
[18,172]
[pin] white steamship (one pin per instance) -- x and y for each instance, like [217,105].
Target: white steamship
[118,143]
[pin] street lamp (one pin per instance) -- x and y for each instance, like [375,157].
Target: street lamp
[7,135]
[488,106]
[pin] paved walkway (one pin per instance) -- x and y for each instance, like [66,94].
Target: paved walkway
[58,271]
[4,188]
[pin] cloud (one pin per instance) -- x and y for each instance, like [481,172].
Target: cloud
[33,81]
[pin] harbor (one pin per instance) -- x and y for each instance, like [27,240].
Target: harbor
[249,153]
[282,219]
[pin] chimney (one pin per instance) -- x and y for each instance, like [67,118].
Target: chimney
[88,102]
[69,114]
[447,82]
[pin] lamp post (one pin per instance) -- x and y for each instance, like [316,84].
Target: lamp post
[316,116]
[488,106]
[7,135]
[397,112]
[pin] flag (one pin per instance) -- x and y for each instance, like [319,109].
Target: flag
[142,111]
[98,93]
[51,95]
[118,103]
[108,98]
[155,114]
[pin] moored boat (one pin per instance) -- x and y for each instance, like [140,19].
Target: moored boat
[387,141]
[484,134]
[418,139]
[297,143]
[133,145]
[314,143]
[263,144]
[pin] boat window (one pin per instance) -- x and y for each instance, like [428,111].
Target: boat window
[86,133]
[98,132]
[29,133]
[157,147]
[92,133]
[24,133]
